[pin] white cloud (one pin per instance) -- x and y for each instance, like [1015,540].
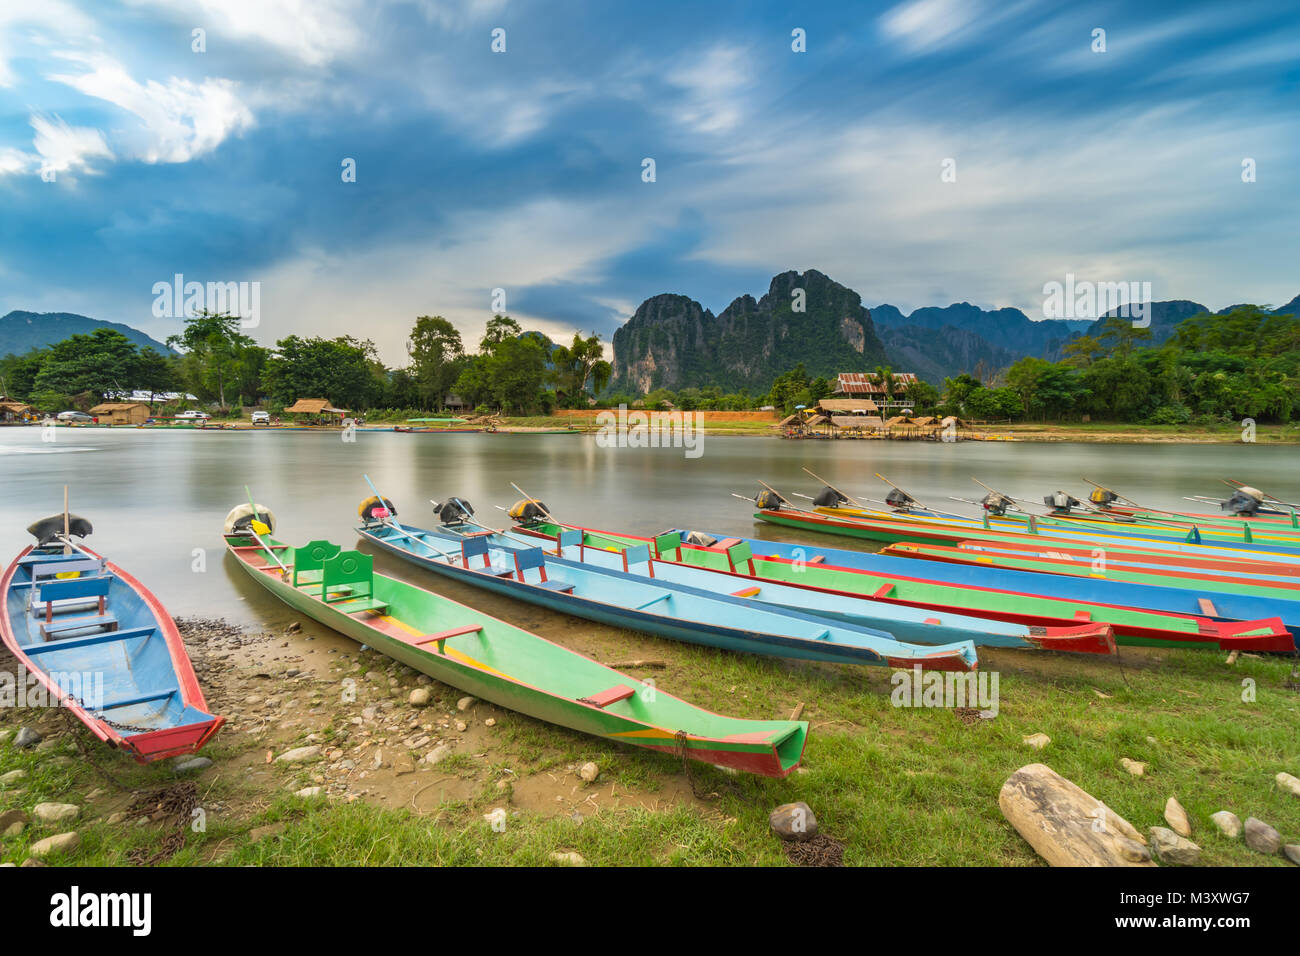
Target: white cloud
[36,21]
[925,25]
[14,161]
[64,148]
[713,86]
[181,119]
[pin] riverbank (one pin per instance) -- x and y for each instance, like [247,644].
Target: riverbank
[329,760]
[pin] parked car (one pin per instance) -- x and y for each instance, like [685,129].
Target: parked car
[261,418]
[192,415]
[74,416]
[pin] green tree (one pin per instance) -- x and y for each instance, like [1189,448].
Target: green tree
[214,348]
[577,365]
[338,369]
[103,361]
[436,358]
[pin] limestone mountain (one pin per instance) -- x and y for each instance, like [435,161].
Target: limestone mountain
[20,332]
[672,341]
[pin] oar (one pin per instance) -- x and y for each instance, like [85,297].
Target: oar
[67,533]
[260,528]
[529,497]
[1267,497]
[897,488]
[391,522]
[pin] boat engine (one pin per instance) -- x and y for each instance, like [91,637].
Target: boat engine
[1062,501]
[375,508]
[47,530]
[240,519]
[830,498]
[1244,501]
[900,500]
[699,538]
[768,500]
[996,504]
[454,511]
[528,510]
[1102,497]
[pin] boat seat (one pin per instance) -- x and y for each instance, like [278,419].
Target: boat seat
[638,554]
[568,538]
[528,558]
[69,643]
[726,544]
[563,587]
[348,582]
[739,554]
[309,561]
[607,697]
[442,636]
[53,569]
[74,589]
[662,596]
[78,624]
[669,541]
[745,592]
[1207,607]
[476,546]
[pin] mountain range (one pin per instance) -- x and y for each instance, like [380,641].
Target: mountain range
[20,332]
[672,341]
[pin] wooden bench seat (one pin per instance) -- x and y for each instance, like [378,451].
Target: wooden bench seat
[607,697]
[78,624]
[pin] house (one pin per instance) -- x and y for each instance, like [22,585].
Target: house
[847,406]
[12,410]
[869,383]
[148,397]
[121,413]
[454,401]
[320,407]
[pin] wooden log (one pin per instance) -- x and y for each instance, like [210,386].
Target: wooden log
[624,665]
[1065,824]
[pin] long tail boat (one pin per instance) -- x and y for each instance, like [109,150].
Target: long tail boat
[1132,625]
[695,611]
[101,645]
[496,661]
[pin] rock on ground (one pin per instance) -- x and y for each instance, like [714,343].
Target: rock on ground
[1037,741]
[1136,767]
[1058,819]
[13,776]
[1228,823]
[420,697]
[309,792]
[1288,783]
[55,812]
[568,858]
[589,772]
[299,754]
[793,821]
[1172,848]
[1261,837]
[26,737]
[59,843]
[1177,818]
[191,764]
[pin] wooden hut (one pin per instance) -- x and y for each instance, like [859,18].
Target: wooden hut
[315,407]
[121,413]
[12,410]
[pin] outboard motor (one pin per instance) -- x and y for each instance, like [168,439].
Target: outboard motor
[1244,501]
[528,510]
[1102,497]
[46,531]
[1061,501]
[900,500]
[699,538]
[768,500]
[240,518]
[996,504]
[375,509]
[455,511]
[830,498]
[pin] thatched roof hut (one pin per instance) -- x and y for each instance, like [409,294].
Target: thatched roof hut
[852,406]
[122,413]
[314,406]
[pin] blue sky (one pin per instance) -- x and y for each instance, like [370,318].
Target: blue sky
[522,170]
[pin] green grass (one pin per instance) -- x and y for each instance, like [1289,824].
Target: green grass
[899,786]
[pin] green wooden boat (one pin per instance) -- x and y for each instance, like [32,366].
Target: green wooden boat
[496,661]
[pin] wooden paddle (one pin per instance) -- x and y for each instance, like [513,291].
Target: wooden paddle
[259,528]
[846,497]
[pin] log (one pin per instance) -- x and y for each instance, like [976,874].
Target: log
[1065,824]
[624,665]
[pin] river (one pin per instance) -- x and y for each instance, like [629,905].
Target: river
[157,498]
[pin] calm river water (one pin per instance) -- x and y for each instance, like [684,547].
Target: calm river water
[157,498]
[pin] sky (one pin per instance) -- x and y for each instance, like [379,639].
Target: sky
[922,152]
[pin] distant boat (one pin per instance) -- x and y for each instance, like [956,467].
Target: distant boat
[423,426]
[102,646]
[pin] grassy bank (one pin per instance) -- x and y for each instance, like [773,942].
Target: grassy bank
[896,786]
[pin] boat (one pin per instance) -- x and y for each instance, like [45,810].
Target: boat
[101,645]
[707,609]
[498,662]
[975,596]
[423,426]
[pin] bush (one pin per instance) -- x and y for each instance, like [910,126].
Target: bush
[1175,414]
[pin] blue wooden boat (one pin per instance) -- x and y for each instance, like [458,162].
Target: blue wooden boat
[1225,607]
[669,609]
[101,645]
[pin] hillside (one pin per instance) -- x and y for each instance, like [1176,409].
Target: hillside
[20,332]
[674,342]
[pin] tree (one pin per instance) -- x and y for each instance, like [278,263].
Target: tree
[214,352]
[577,365]
[337,369]
[514,372]
[103,361]
[436,352]
[500,328]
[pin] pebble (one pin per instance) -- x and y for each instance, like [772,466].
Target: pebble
[1136,767]
[1172,848]
[192,764]
[1292,852]
[461,726]
[589,772]
[12,776]
[490,722]
[403,764]
[1228,823]
[1288,783]
[568,858]
[26,737]
[1261,837]
[438,754]
[14,829]
[793,821]
[299,754]
[465,703]
[55,812]
[1037,741]
[308,792]
[116,818]
[59,843]
[421,697]
[1176,816]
